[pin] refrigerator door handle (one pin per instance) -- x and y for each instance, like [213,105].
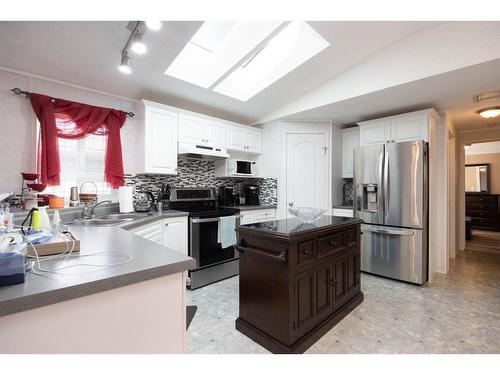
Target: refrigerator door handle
[385,177]
[394,232]
[381,192]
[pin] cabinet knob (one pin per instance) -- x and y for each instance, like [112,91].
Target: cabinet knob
[307,251]
[333,282]
[333,243]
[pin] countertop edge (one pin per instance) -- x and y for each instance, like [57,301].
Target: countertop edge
[81,290]
[252,208]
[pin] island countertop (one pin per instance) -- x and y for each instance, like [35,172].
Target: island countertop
[294,227]
[149,260]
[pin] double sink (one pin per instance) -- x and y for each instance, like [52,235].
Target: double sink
[106,220]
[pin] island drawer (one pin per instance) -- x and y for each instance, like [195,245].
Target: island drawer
[307,252]
[332,243]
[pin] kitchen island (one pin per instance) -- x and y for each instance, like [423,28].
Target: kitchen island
[135,306]
[297,280]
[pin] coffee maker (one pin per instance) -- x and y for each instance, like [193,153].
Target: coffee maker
[226,196]
[252,195]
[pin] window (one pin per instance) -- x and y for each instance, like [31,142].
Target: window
[240,59]
[82,160]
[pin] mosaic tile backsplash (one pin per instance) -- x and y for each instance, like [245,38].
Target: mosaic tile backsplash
[200,173]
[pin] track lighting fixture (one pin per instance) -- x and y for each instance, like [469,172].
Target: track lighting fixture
[125,64]
[153,25]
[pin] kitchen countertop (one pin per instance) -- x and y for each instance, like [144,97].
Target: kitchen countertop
[252,207]
[292,227]
[149,261]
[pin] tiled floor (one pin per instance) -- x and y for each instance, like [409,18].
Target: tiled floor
[456,313]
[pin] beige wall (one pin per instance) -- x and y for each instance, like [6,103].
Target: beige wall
[494,161]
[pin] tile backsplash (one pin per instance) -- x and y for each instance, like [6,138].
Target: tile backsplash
[200,173]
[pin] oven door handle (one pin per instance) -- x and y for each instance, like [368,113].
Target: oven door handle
[211,220]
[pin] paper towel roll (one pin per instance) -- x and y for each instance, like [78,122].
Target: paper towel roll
[126,198]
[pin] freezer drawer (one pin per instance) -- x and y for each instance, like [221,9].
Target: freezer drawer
[398,253]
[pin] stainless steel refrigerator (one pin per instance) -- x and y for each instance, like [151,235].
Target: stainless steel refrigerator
[391,196]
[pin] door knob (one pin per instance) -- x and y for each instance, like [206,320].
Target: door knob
[290,204]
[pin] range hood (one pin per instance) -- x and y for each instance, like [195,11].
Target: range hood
[204,152]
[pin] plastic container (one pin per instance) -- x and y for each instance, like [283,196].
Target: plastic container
[44,218]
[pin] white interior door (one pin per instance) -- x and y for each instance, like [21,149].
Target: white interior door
[307,170]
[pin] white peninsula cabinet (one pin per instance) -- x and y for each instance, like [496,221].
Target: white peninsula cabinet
[156,151]
[257,216]
[411,126]
[244,138]
[350,140]
[171,232]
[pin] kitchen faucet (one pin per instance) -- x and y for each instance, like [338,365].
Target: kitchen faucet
[88,211]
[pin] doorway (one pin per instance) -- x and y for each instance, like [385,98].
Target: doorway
[482,197]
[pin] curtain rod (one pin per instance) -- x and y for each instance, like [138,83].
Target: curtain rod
[18,91]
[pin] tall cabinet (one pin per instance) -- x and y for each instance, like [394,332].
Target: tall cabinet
[350,140]
[156,146]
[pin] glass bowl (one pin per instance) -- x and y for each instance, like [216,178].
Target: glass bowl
[307,214]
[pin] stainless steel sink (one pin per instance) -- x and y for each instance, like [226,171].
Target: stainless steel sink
[136,215]
[106,220]
[96,222]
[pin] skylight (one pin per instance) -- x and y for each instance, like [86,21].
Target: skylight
[240,59]
[217,47]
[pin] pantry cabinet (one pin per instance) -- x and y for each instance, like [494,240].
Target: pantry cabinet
[411,126]
[156,145]
[350,140]
[246,139]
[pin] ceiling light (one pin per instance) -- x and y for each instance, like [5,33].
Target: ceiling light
[125,65]
[489,112]
[153,25]
[138,45]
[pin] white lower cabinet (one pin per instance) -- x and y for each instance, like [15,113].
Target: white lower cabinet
[257,216]
[175,234]
[170,232]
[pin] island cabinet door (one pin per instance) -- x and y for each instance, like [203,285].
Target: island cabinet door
[346,277]
[312,297]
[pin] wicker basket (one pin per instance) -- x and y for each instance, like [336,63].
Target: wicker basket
[86,197]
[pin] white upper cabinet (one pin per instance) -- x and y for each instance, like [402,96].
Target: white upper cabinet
[246,139]
[192,129]
[201,131]
[411,126]
[157,141]
[350,140]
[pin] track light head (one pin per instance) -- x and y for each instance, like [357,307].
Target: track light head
[153,25]
[124,66]
[138,45]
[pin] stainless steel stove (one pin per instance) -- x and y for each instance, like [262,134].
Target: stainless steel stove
[214,263]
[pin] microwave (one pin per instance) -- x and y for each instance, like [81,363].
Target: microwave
[238,167]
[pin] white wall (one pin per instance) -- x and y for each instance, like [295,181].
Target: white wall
[426,53]
[438,197]
[17,122]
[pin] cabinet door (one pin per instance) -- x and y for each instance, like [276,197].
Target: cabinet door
[216,133]
[409,128]
[236,138]
[151,232]
[340,296]
[313,298]
[175,234]
[254,140]
[161,141]
[374,133]
[350,140]
[353,273]
[192,129]
[264,215]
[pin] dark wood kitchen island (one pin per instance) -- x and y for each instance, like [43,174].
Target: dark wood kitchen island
[297,280]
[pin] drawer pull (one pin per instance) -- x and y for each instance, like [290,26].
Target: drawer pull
[333,243]
[307,251]
[333,282]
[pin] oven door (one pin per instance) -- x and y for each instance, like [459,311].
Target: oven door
[203,241]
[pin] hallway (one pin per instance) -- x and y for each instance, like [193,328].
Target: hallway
[484,241]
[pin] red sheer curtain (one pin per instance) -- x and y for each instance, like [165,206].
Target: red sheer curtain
[70,120]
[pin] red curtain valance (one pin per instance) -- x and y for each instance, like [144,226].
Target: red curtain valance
[61,118]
